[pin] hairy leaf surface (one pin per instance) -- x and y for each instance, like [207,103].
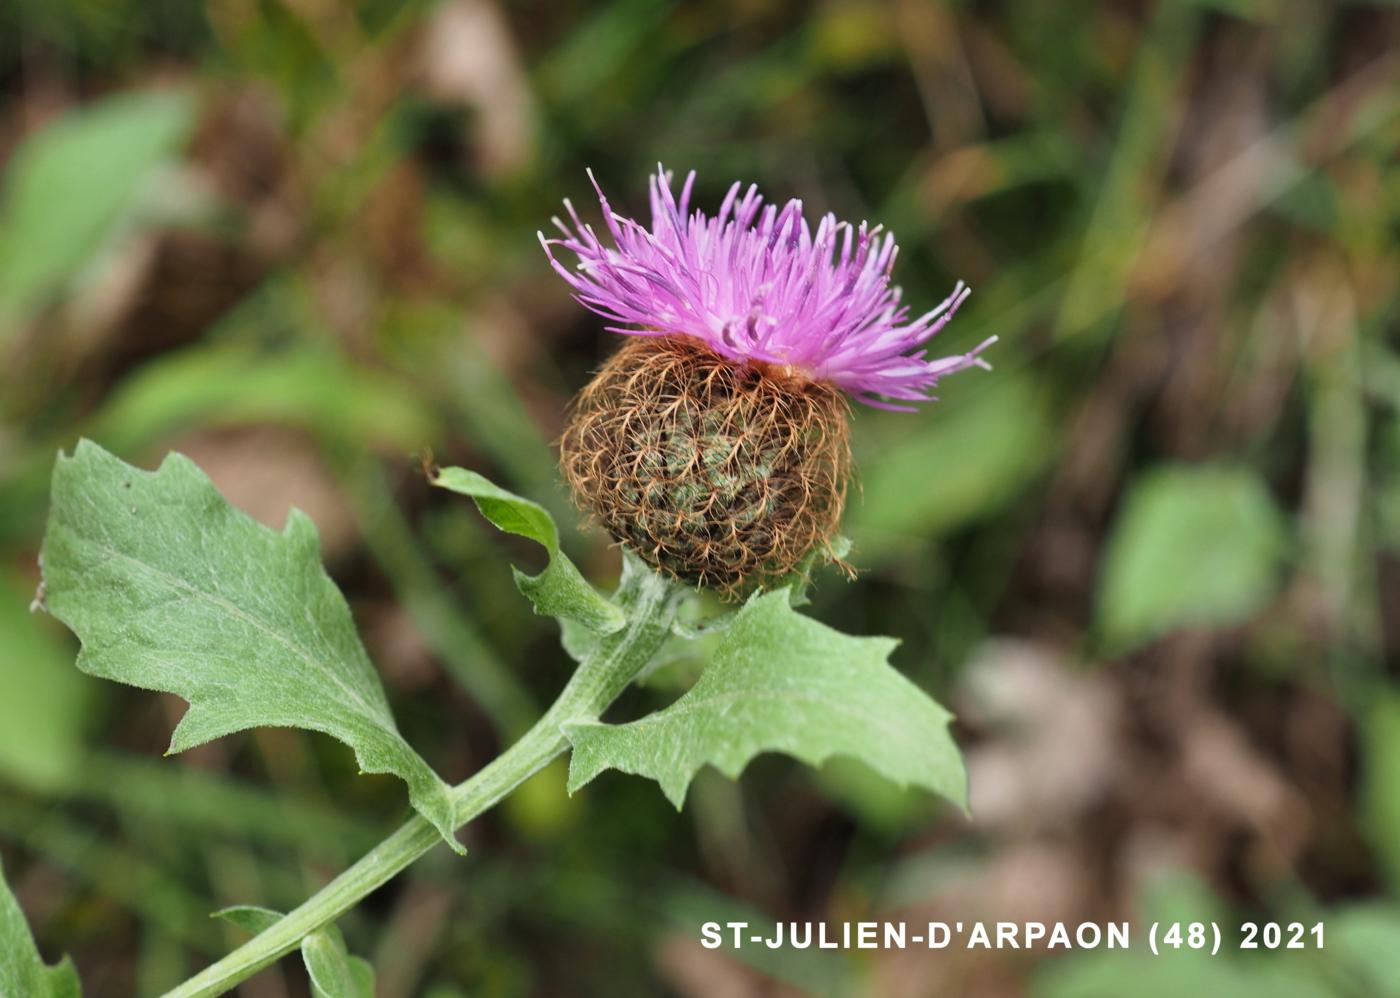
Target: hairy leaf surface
[782,682]
[170,588]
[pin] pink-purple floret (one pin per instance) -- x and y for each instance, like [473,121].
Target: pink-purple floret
[754,283]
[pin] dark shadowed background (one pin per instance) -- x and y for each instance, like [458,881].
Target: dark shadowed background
[1151,561]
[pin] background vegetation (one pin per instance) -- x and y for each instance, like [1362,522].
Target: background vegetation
[1151,561]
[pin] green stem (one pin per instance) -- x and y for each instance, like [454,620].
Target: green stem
[650,603]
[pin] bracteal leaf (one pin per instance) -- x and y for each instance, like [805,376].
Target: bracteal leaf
[558,591]
[249,917]
[333,971]
[782,682]
[170,588]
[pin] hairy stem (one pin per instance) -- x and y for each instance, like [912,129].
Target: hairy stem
[650,603]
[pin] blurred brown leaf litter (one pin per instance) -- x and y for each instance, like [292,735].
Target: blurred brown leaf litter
[1151,561]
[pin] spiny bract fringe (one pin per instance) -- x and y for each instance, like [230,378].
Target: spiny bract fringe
[720,474]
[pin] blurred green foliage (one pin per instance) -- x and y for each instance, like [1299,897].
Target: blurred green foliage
[1193,547]
[58,209]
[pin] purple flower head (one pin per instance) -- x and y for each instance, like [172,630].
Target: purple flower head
[754,283]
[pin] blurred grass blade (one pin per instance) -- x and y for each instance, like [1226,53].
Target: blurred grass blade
[218,384]
[70,184]
[453,636]
[44,704]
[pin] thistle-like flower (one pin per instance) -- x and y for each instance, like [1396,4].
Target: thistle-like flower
[715,442]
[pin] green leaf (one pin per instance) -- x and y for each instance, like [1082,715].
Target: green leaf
[1193,547]
[170,588]
[227,383]
[558,591]
[334,972]
[70,183]
[249,917]
[786,683]
[22,970]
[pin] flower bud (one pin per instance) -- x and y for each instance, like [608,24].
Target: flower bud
[721,474]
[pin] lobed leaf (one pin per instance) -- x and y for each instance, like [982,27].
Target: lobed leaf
[782,682]
[170,588]
[23,973]
[558,591]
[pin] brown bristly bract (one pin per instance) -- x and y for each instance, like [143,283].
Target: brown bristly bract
[722,474]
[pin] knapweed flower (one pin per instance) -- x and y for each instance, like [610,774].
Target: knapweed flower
[715,441]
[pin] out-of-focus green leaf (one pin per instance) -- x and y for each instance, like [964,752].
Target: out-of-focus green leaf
[1180,899]
[23,973]
[558,591]
[71,182]
[1381,775]
[881,806]
[1193,547]
[229,383]
[44,704]
[1103,973]
[1362,938]
[964,461]
[539,809]
[781,682]
[1385,491]
[170,588]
